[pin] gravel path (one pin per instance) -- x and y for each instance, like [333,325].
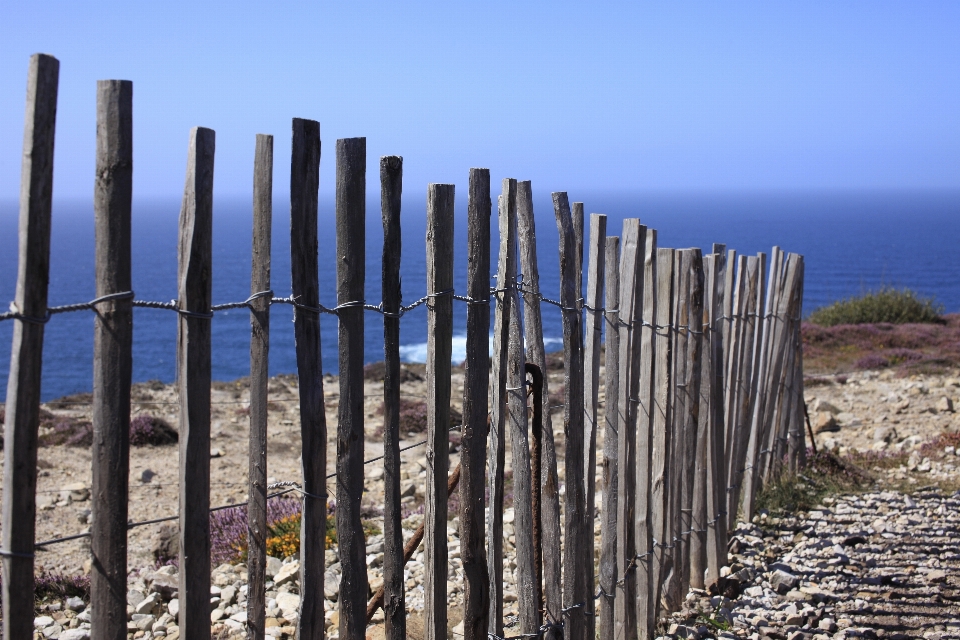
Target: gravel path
[876,565]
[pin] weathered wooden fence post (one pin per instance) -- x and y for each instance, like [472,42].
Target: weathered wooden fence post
[496,452]
[646,416]
[193,381]
[304,184]
[26,353]
[608,512]
[662,466]
[631,313]
[703,480]
[516,393]
[593,305]
[439,345]
[351,256]
[576,540]
[112,360]
[476,381]
[259,378]
[536,355]
[394,610]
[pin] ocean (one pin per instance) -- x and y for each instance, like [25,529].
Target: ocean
[852,242]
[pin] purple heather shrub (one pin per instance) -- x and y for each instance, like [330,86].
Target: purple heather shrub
[57,586]
[872,361]
[147,430]
[68,431]
[228,528]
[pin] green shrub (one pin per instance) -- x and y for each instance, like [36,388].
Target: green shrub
[896,306]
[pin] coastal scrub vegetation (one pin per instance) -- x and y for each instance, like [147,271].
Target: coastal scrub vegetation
[903,348]
[889,305]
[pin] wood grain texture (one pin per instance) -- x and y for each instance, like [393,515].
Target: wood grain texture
[439,243]
[611,421]
[259,379]
[516,427]
[496,452]
[661,463]
[112,360]
[593,327]
[757,383]
[646,414]
[535,354]
[577,216]
[193,381]
[721,324]
[732,361]
[630,313]
[576,540]
[394,608]
[351,276]
[304,185]
[672,595]
[693,326]
[752,333]
[703,465]
[476,382]
[26,353]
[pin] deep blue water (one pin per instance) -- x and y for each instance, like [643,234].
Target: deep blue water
[852,242]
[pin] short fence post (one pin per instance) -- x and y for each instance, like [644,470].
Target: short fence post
[394,609]
[113,360]
[305,289]
[750,308]
[351,255]
[575,543]
[440,199]
[193,380]
[591,391]
[661,473]
[631,312]
[496,452]
[646,415]
[476,381]
[26,353]
[608,512]
[535,354]
[259,378]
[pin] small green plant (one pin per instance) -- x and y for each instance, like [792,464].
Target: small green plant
[825,474]
[895,306]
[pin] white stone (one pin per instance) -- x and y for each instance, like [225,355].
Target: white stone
[287,573]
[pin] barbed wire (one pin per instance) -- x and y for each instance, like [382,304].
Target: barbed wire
[516,284]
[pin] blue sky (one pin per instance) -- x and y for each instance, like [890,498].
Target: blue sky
[575,96]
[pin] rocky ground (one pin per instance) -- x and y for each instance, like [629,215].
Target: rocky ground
[887,583]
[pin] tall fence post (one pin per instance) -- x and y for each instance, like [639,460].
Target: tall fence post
[259,379]
[476,381]
[593,305]
[662,467]
[529,603]
[496,453]
[26,353]
[394,609]
[351,256]
[439,345]
[536,355]
[703,480]
[646,607]
[576,541]
[630,314]
[193,381]
[304,185]
[608,512]
[113,359]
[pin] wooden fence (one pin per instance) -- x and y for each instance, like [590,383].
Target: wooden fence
[703,396]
